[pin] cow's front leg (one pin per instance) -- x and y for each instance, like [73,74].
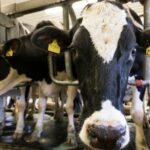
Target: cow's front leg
[71,133]
[59,111]
[36,134]
[20,106]
[137,114]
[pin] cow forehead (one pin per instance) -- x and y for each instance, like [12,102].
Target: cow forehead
[104,22]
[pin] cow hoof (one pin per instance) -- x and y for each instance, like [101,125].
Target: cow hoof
[17,136]
[58,116]
[71,140]
[32,139]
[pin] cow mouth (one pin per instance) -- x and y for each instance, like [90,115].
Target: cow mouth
[108,138]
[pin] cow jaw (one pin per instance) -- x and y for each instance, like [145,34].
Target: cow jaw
[13,79]
[108,116]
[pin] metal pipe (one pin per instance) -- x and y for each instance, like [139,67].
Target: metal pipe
[72,14]
[0,6]
[147,29]
[147,14]
[51,72]
[67,55]
[2,113]
[65,17]
[146,36]
[28,7]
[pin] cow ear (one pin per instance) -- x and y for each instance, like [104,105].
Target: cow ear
[11,47]
[50,39]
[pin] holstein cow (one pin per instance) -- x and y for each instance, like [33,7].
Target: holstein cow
[137,93]
[6,90]
[103,45]
[28,63]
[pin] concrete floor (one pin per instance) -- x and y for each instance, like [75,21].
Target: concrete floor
[52,139]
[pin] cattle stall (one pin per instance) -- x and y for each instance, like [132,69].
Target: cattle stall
[54,133]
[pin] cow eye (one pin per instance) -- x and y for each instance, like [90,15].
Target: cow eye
[133,52]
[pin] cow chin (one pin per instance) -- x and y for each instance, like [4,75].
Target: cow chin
[105,129]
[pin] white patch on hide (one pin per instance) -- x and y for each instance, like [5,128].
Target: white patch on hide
[104,22]
[21,105]
[107,116]
[136,111]
[13,79]
[52,90]
[137,114]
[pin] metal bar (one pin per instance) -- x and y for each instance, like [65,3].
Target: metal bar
[65,16]
[146,98]
[51,71]
[19,9]
[6,21]
[147,14]
[0,5]
[147,29]
[1,111]
[72,14]
[67,54]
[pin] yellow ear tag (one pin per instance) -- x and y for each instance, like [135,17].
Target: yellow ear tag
[54,47]
[148,51]
[9,53]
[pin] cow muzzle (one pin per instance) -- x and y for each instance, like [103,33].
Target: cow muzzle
[105,129]
[106,137]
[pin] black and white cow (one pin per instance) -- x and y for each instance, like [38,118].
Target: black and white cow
[21,62]
[19,29]
[137,92]
[103,45]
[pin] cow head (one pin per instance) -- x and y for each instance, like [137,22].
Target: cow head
[9,75]
[103,45]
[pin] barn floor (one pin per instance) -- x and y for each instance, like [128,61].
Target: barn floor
[52,139]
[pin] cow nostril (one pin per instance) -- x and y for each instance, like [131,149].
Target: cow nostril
[91,132]
[121,130]
[106,137]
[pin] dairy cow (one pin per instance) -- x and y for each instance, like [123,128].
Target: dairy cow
[136,88]
[6,89]
[103,46]
[21,62]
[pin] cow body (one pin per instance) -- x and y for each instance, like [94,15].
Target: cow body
[7,73]
[23,62]
[103,45]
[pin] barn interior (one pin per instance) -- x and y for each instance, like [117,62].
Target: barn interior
[31,12]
